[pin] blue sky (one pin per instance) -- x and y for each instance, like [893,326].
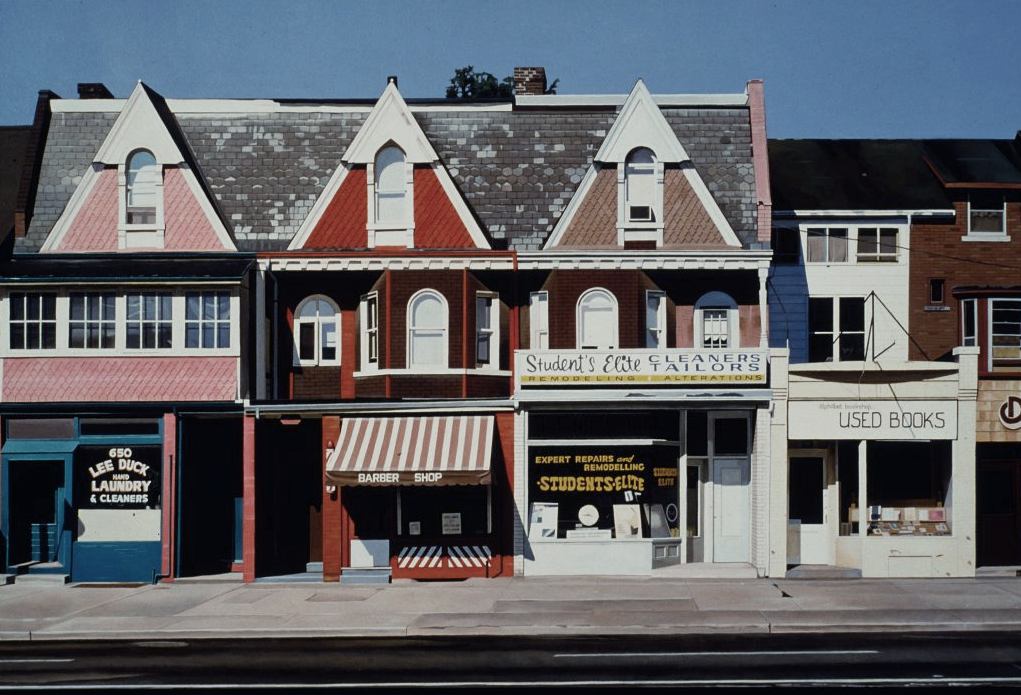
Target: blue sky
[856,68]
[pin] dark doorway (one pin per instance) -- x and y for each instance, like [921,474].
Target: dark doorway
[209,484]
[36,500]
[998,534]
[807,480]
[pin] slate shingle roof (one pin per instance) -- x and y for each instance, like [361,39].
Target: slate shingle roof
[517,169]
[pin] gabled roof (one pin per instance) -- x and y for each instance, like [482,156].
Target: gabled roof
[969,163]
[89,222]
[266,163]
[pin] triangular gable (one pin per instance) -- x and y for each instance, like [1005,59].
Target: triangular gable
[691,216]
[91,219]
[339,218]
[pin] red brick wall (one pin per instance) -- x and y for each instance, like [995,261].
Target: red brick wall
[937,251]
[333,541]
[566,286]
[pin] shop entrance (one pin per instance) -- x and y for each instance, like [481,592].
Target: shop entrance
[731,539]
[999,521]
[807,509]
[370,510]
[36,500]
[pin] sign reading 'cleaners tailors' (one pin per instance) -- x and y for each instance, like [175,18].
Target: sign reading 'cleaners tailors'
[632,367]
[872,420]
[119,477]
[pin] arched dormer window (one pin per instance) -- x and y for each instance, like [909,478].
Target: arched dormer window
[391,220]
[427,330]
[597,320]
[141,220]
[640,184]
[716,321]
[315,333]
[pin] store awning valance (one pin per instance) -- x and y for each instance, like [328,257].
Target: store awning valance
[434,450]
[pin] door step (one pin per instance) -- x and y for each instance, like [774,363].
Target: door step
[365,575]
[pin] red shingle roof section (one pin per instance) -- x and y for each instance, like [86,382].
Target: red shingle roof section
[342,225]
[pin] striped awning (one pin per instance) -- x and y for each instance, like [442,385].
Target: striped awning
[440,450]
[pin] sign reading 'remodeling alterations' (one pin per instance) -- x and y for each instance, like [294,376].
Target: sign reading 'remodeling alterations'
[872,420]
[632,367]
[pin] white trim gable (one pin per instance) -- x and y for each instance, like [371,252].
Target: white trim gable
[138,127]
[640,123]
[390,121]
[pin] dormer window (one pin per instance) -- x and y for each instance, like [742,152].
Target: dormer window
[142,223]
[391,220]
[640,198]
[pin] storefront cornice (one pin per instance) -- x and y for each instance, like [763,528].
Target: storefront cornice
[873,368]
[627,398]
[652,260]
[378,263]
[290,411]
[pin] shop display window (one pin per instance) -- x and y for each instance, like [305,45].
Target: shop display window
[909,489]
[434,512]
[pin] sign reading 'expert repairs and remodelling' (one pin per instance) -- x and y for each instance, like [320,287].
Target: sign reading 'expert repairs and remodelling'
[664,367]
[872,419]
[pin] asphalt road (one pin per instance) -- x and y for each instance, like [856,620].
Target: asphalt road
[867,660]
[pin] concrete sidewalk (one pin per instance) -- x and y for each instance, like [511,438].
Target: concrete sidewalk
[227,608]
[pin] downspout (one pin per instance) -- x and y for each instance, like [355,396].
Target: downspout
[389,326]
[464,332]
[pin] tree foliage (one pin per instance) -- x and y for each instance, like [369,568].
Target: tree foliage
[468,84]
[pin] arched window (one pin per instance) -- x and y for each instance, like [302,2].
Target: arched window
[315,333]
[143,184]
[716,321]
[391,187]
[640,186]
[427,330]
[597,320]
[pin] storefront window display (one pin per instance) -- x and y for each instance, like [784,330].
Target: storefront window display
[443,511]
[909,488]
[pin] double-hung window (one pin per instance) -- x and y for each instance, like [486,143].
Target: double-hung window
[142,188]
[655,319]
[538,321]
[597,320]
[33,321]
[370,330]
[715,327]
[877,245]
[315,330]
[427,330]
[93,320]
[836,329]
[826,245]
[986,215]
[640,186]
[1005,315]
[150,321]
[207,319]
[487,330]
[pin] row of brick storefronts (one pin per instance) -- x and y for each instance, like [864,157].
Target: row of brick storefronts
[544,335]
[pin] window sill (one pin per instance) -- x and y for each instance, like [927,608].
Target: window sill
[985,236]
[432,372]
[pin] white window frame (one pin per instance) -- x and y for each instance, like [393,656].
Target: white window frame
[369,317]
[102,325]
[830,257]
[148,235]
[640,187]
[538,320]
[655,319]
[969,325]
[708,310]
[605,318]
[202,322]
[416,333]
[317,323]
[883,253]
[987,235]
[163,320]
[1011,340]
[45,328]
[487,329]
[392,232]
[835,331]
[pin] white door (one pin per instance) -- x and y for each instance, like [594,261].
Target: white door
[806,505]
[731,513]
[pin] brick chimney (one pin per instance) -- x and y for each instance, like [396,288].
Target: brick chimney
[93,90]
[531,81]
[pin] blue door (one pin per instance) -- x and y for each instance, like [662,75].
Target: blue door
[36,509]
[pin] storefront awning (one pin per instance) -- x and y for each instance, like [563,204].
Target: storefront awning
[440,450]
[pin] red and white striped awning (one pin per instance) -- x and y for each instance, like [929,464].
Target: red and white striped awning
[441,450]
